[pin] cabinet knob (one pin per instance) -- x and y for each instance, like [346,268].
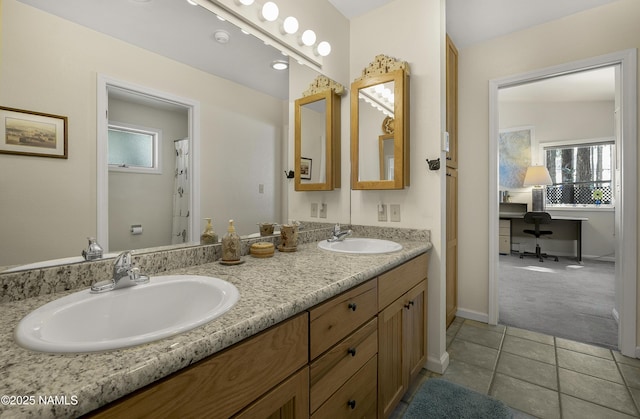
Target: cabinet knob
[352,351]
[352,404]
[409,304]
[352,306]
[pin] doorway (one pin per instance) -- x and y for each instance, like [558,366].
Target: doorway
[625,185]
[158,102]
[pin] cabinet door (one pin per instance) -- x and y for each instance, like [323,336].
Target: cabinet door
[452,103]
[416,328]
[452,244]
[393,381]
[289,400]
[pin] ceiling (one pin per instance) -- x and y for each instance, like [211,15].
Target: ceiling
[185,33]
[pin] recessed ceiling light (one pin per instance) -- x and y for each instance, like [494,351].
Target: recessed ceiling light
[191,2]
[279,65]
[246,2]
[221,36]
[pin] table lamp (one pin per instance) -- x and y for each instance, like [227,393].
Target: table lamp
[538,177]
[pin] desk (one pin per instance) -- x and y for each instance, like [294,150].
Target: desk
[567,228]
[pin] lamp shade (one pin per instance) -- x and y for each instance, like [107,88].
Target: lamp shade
[537,176]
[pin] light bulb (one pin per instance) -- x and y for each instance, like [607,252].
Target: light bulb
[279,65]
[324,48]
[270,11]
[290,25]
[308,37]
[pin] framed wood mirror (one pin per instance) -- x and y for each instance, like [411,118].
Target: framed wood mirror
[317,137]
[380,126]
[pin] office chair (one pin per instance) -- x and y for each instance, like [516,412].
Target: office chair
[537,218]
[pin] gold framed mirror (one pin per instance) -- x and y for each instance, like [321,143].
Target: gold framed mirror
[317,137]
[380,126]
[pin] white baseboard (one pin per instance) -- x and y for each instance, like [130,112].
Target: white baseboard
[438,365]
[472,315]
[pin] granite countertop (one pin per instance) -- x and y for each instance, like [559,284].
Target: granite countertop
[271,290]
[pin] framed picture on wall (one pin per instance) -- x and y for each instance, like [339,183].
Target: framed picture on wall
[515,148]
[305,168]
[32,133]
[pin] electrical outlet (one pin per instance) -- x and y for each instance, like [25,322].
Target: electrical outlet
[382,212]
[323,211]
[314,210]
[395,212]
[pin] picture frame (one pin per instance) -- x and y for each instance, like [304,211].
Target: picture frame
[305,168]
[32,133]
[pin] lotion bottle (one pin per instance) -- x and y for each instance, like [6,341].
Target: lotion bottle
[231,245]
[208,235]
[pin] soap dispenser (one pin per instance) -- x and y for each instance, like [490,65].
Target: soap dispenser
[231,246]
[208,235]
[93,251]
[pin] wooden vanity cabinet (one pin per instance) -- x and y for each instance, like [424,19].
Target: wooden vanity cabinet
[353,355]
[225,383]
[402,330]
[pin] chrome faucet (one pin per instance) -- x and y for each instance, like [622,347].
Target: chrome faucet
[338,235]
[124,275]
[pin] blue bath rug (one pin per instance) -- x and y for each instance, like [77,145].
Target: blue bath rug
[440,399]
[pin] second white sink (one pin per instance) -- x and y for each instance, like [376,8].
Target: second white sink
[86,322]
[358,245]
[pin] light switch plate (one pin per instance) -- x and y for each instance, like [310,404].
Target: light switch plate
[395,212]
[323,211]
[382,212]
[314,210]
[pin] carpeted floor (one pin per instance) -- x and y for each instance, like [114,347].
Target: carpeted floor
[561,298]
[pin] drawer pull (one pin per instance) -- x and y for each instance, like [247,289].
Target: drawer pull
[409,304]
[352,351]
[352,404]
[352,306]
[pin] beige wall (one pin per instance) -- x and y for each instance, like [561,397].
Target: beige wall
[599,31]
[412,31]
[48,206]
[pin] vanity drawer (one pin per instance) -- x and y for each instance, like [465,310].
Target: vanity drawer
[357,398]
[392,284]
[335,367]
[333,320]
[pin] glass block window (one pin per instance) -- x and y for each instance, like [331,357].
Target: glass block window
[582,174]
[134,149]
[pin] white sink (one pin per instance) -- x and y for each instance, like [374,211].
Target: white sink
[86,322]
[360,246]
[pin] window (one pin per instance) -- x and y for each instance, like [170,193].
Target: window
[134,149]
[582,174]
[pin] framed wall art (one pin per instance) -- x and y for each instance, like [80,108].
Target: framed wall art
[32,133]
[305,168]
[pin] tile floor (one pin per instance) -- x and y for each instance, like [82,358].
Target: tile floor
[537,375]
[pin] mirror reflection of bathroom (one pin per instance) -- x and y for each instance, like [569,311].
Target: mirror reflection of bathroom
[148,149]
[313,117]
[375,110]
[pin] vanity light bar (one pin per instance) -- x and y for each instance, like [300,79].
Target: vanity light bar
[266,31]
[289,26]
